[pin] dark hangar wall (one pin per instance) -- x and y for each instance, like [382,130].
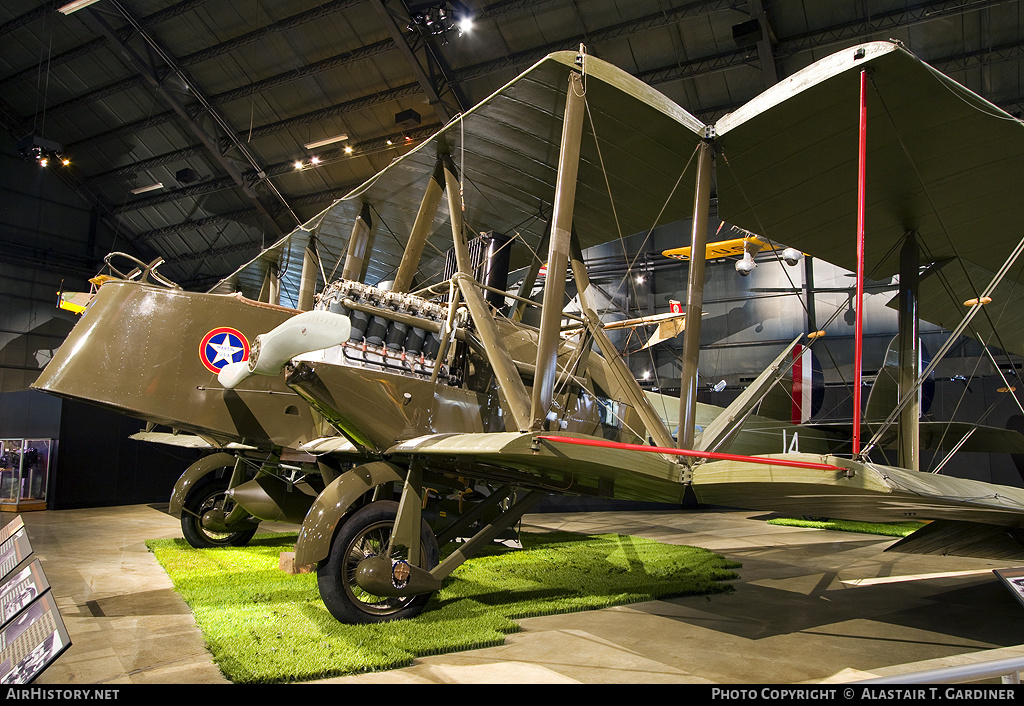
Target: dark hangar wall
[49,238]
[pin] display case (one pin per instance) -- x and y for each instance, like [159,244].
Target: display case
[24,471]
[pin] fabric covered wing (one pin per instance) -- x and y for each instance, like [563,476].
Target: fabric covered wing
[636,172]
[941,161]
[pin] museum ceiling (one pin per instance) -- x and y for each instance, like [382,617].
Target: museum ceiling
[202,130]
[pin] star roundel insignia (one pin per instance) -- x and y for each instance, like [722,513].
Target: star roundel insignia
[221,346]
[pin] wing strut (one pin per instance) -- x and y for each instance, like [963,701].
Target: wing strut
[558,253]
[909,445]
[307,280]
[270,293]
[694,301]
[727,423]
[420,229]
[859,326]
[355,259]
[620,375]
[530,278]
[510,385]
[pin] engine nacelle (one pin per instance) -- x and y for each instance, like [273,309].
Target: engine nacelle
[792,256]
[746,265]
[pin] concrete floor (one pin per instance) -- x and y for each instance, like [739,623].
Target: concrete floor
[809,606]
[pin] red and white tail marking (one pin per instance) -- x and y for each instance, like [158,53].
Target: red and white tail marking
[802,384]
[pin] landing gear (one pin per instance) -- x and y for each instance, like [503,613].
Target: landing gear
[209,497]
[368,533]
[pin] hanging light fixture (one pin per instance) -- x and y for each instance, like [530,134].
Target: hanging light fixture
[437,19]
[75,6]
[325,142]
[42,151]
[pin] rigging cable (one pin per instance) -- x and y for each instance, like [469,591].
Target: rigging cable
[931,202]
[763,232]
[628,276]
[974,333]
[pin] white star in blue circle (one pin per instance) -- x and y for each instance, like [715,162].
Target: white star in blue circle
[228,349]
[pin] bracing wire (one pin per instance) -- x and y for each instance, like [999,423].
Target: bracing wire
[630,263]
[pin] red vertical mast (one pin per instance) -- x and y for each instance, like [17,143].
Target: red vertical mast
[859,326]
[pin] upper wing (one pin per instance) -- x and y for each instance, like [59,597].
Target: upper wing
[636,146]
[941,161]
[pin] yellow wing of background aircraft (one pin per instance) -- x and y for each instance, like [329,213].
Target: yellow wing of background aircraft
[746,248]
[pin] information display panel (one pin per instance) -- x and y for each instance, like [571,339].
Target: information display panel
[32,632]
[21,588]
[30,642]
[10,528]
[14,551]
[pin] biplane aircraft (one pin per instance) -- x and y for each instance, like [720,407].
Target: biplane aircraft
[390,421]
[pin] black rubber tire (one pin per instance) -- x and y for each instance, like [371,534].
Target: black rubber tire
[202,498]
[363,534]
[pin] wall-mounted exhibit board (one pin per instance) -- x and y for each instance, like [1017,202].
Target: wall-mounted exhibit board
[32,633]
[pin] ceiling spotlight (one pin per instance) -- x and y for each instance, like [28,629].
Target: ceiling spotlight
[298,165]
[348,149]
[329,141]
[434,19]
[150,187]
[314,160]
[75,6]
[41,151]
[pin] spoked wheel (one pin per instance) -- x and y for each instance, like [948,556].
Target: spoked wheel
[206,497]
[367,533]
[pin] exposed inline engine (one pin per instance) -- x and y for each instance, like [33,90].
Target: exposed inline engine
[390,330]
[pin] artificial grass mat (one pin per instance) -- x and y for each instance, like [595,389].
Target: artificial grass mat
[887,529]
[263,625]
